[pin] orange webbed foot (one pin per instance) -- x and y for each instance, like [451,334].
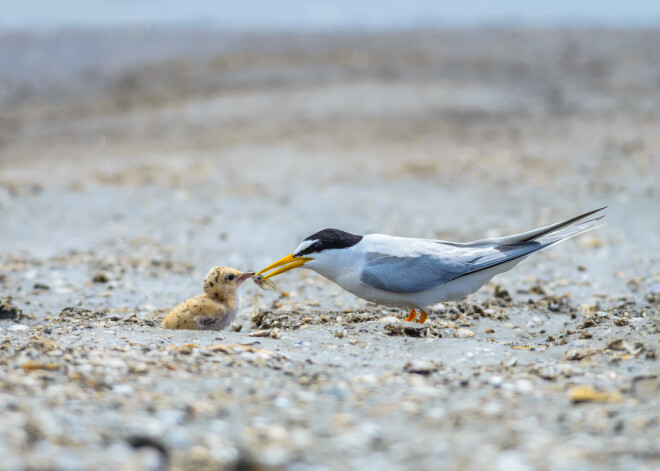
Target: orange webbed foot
[422,317]
[411,316]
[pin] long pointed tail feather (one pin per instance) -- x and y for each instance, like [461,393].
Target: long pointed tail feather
[512,248]
[536,234]
[568,232]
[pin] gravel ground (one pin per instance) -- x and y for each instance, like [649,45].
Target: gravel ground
[127,172]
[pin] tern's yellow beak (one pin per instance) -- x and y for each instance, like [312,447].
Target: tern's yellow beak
[287,263]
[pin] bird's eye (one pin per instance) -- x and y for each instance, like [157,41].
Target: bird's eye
[230,277]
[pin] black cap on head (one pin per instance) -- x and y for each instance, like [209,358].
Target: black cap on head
[328,239]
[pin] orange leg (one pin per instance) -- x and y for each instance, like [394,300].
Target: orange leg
[411,316]
[423,317]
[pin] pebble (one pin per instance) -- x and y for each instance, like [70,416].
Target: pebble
[523,386]
[463,333]
[123,389]
[495,380]
[260,333]
[101,278]
[440,308]
[579,394]
[421,367]
[18,328]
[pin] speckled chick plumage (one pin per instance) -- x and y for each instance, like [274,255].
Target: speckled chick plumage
[213,310]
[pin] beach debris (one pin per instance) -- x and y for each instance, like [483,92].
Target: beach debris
[577,355]
[8,310]
[101,277]
[275,333]
[421,367]
[34,365]
[578,394]
[463,333]
[18,328]
[406,329]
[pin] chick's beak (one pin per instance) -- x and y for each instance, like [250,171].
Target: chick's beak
[287,263]
[244,277]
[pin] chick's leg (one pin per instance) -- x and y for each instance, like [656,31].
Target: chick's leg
[411,316]
[422,317]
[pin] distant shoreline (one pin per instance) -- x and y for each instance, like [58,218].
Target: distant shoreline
[285,30]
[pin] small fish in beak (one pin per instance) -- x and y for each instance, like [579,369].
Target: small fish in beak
[264,283]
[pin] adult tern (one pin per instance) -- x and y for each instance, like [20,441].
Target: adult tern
[418,273]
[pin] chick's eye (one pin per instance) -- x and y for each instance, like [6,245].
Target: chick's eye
[230,277]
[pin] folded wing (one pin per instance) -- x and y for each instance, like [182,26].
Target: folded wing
[434,263]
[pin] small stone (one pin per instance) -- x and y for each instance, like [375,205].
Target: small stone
[260,333]
[579,394]
[463,333]
[616,344]
[495,381]
[576,355]
[547,372]
[589,322]
[523,386]
[420,367]
[8,310]
[440,307]
[502,293]
[18,328]
[389,319]
[101,278]
[123,389]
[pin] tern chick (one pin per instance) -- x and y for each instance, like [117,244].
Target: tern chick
[213,310]
[418,273]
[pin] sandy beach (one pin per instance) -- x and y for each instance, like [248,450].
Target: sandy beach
[134,160]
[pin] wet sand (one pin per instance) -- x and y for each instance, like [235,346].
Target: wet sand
[133,161]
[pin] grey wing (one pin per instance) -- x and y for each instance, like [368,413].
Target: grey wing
[426,271]
[411,274]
